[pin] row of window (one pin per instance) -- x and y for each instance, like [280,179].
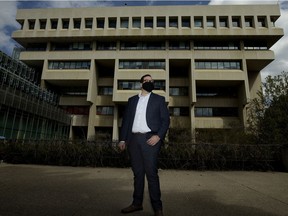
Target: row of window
[230,92]
[150,22]
[69,65]
[173,111]
[218,65]
[123,64]
[151,45]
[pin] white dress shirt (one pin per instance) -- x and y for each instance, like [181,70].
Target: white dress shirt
[140,122]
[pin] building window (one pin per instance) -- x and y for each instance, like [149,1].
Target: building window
[74,91]
[128,85]
[135,85]
[148,22]
[77,110]
[211,22]
[71,46]
[262,22]
[21,22]
[112,22]
[218,65]
[255,45]
[65,23]
[101,45]
[77,23]
[221,92]
[105,90]
[273,20]
[54,23]
[88,23]
[100,23]
[159,85]
[179,111]
[59,65]
[161,23]
[178,91]
[216,45]
[179,45]
[185,22]
[173,22]
[150,45]
[36,46]
[223,22]
[31,24]
[105,110]
[248,21]
[198,22]
[236,22]
[136,22]
[42,24]
[124,22]
[216,112]
[123,64]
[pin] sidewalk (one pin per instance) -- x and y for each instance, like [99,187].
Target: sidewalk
[77,191]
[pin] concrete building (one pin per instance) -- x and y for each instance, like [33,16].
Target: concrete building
[205,60]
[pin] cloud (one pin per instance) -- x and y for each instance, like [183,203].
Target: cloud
[8,23]
[280,48]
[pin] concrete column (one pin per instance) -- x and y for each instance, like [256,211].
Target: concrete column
[115,135]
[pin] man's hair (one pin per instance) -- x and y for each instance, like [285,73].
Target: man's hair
[142,78]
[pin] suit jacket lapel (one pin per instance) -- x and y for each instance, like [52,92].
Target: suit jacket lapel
[134,106]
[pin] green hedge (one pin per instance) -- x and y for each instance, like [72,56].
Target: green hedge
[172,156]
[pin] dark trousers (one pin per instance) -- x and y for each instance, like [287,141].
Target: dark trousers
[144,160]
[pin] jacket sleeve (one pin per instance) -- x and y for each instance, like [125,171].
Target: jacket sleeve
[125,122]
[164,119]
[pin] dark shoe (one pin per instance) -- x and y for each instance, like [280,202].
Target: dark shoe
[159,213]
[131,208]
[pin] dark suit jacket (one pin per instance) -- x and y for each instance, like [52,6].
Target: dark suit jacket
[157,117]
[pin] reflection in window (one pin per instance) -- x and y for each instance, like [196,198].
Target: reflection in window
[179,111]
[216,112]
[105,110]
[101,45]
[69,65]
[124,22]
[211,22]
[186,22]
[105,90]
[112,22]
[218,65]
[148,22]
[149,45]
[179,45]
[136,22]
[123,64]
[198,22]
[100,22]
[216,45]
[236,21]
[173,22]
[178,91]
[161,22]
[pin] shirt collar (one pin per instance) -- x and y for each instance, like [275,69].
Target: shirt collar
[142,96]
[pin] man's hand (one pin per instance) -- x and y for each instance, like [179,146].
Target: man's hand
[153,140]
[122,145]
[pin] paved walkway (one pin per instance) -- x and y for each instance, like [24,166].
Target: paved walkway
[76,191]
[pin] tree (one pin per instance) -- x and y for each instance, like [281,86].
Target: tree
[268,114]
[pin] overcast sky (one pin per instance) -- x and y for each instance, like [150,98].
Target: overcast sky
[8,24]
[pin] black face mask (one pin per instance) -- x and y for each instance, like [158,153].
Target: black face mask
[148,86]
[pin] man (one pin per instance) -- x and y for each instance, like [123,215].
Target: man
[144,126]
